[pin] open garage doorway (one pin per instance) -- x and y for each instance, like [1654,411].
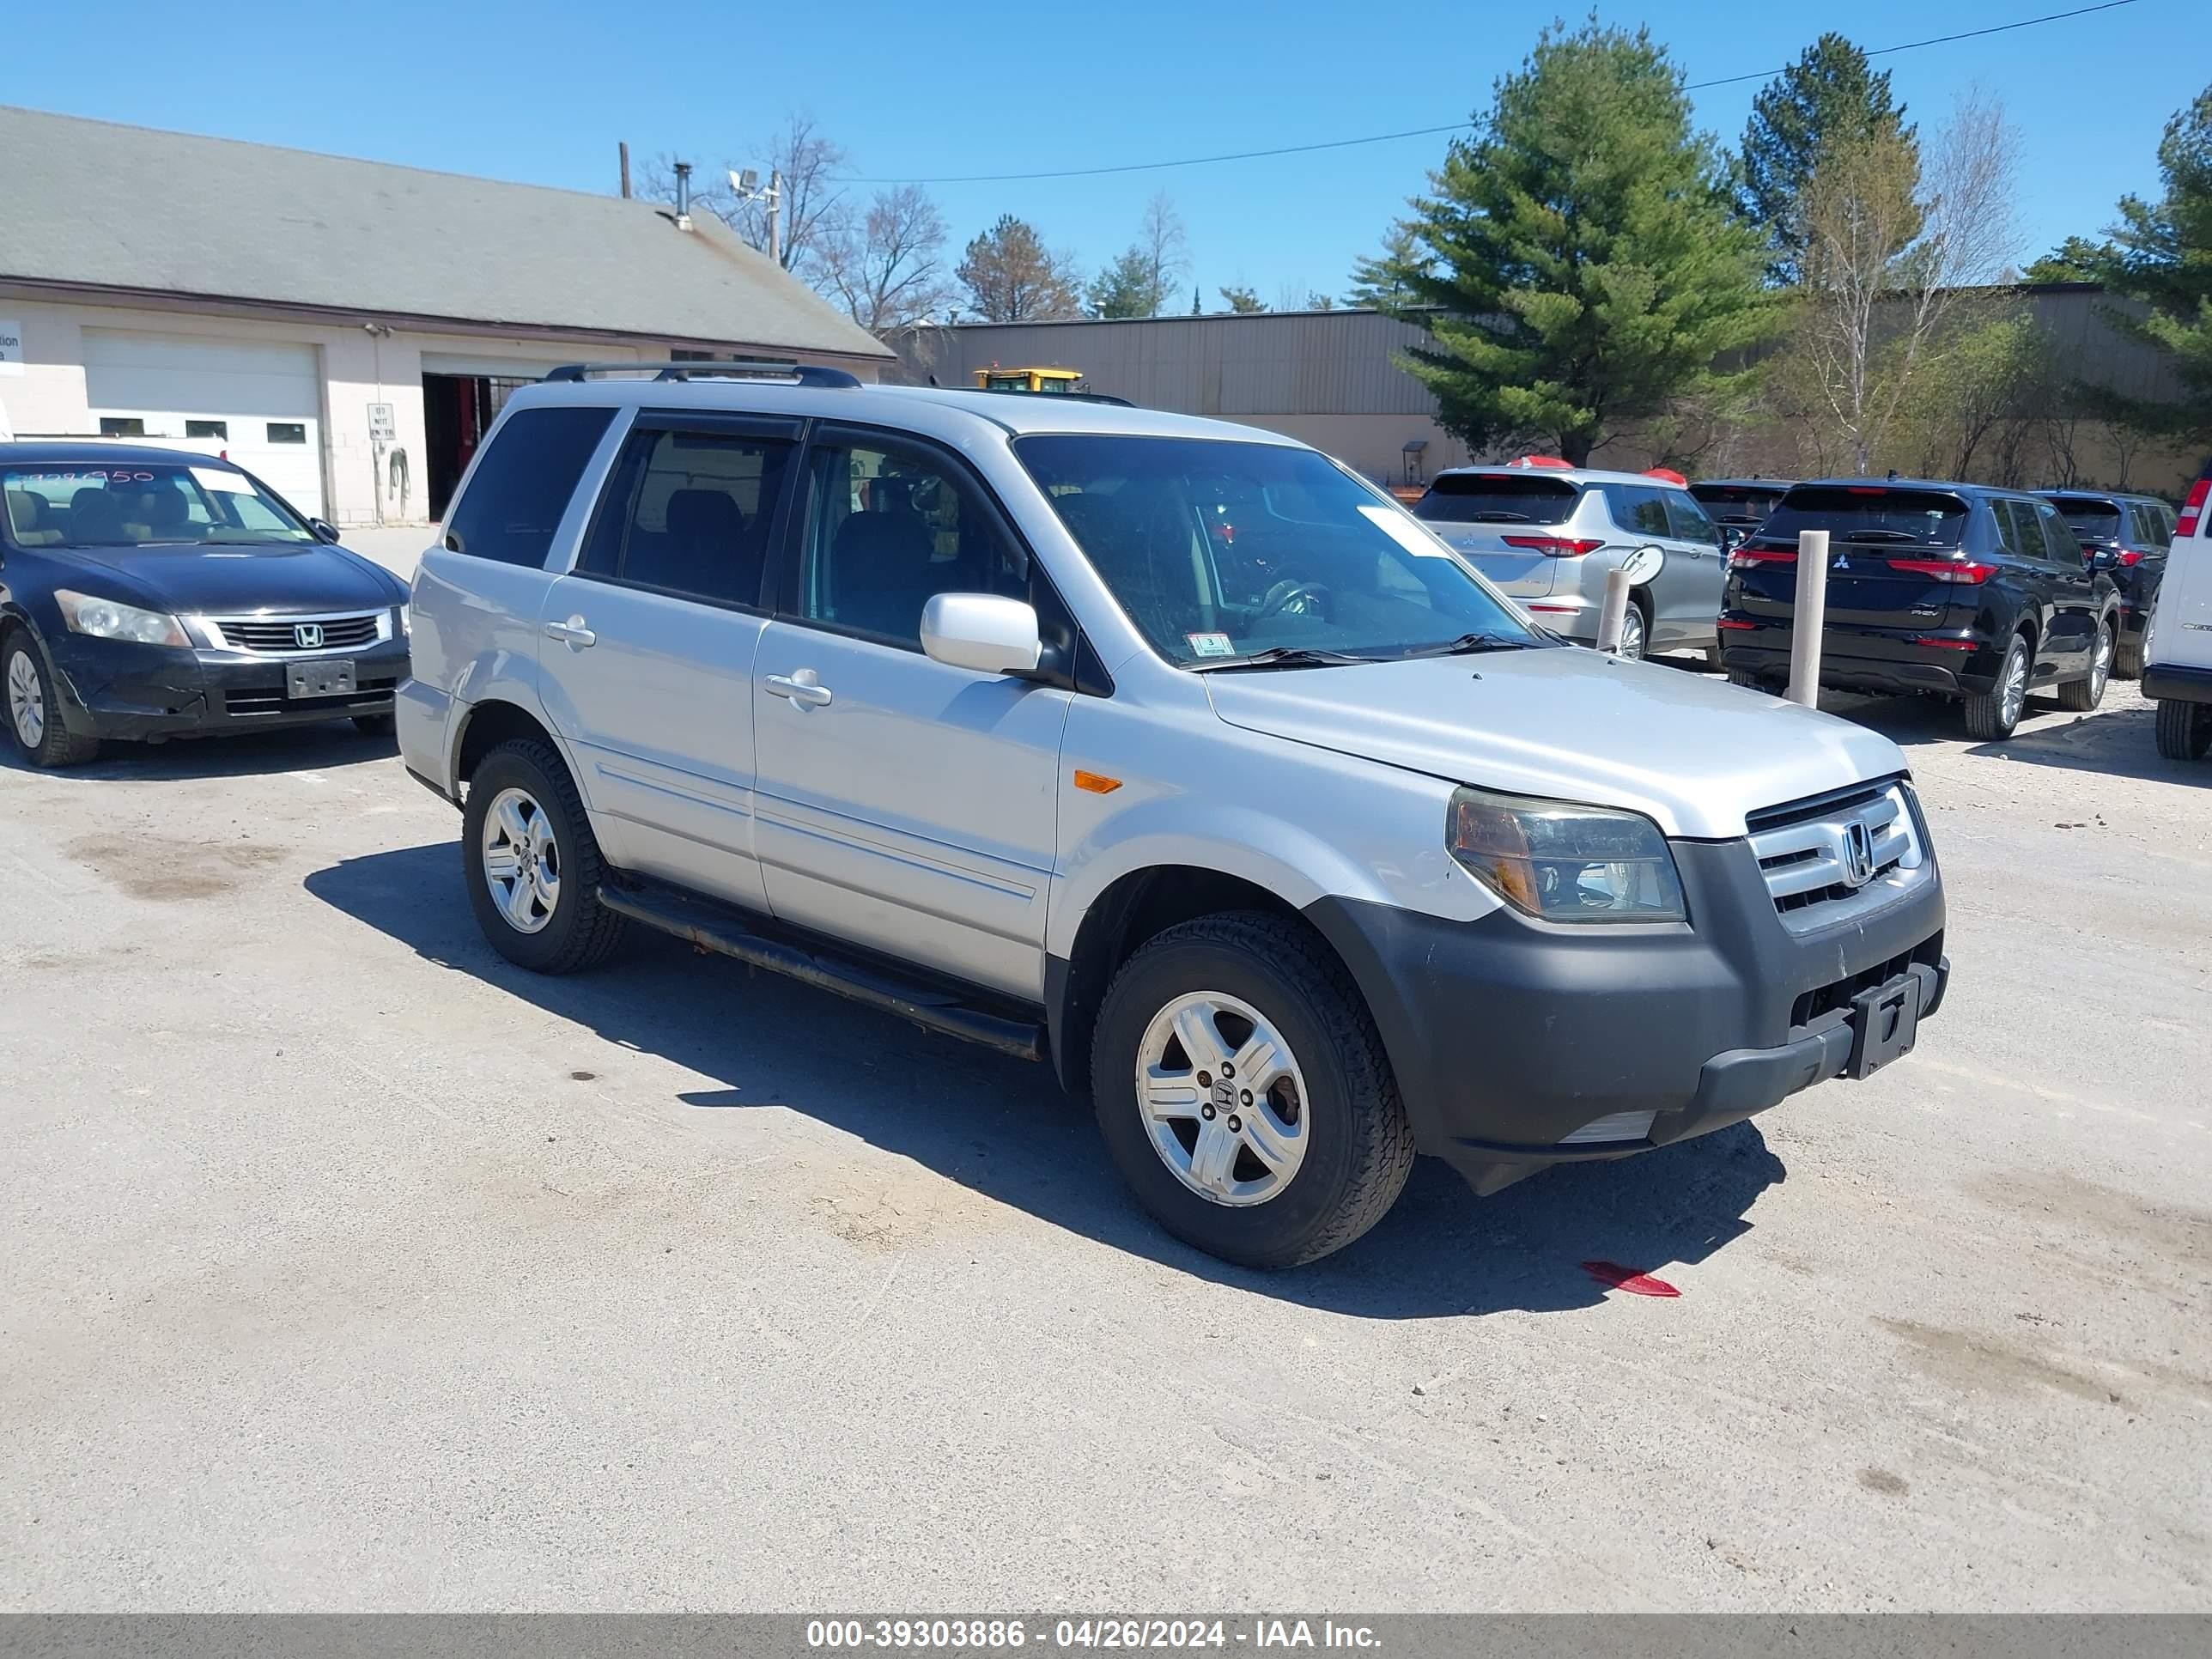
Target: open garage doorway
[458,409]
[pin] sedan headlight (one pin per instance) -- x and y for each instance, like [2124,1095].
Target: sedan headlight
[111,619]
[1564,862]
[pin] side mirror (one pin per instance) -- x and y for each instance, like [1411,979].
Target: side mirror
[323,529]
[1731,538]
[982,631]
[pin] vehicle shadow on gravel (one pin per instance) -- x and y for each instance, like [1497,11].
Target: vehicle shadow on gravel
[258,754]
[1003,1129]
[2115,741]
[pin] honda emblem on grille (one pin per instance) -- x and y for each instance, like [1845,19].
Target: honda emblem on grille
[1858,854]
[309,636]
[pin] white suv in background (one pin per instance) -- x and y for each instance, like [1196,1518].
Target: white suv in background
[1169,752]
[2178,648]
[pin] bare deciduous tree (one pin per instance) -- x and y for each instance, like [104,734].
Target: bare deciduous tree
[1165,247]
[814,206]
[886,267]
[1012,277]
[1892,252]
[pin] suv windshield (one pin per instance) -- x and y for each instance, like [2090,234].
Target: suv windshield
[1316,561]
[1492,498]
[2092,518]
[143,504]
[1869,513]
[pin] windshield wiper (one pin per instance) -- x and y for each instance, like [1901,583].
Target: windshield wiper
[1497,515]
[1883,536]
[1281,656]
[1470,644]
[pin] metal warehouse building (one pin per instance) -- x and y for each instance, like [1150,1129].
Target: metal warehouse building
[345,328]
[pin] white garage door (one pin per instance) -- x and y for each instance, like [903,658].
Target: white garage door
[261,405]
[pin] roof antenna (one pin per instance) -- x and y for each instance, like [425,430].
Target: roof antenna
[682,195]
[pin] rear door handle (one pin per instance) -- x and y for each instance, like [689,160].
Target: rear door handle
[801,688]
[571,634]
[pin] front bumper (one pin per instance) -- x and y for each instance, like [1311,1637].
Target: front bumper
[114,689]
[1509,1037]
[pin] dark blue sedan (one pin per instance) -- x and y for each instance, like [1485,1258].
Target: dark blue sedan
[151,593]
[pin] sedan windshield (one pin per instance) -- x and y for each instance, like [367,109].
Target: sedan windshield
[143,504]
[1226,553]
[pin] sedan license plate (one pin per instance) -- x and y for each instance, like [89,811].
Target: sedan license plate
[1885,1022]
[324,677]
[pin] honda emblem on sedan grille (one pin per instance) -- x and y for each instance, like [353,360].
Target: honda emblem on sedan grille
[1858,854]
[309,636]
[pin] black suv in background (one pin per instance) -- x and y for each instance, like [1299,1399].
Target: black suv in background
[1982,595]
[2127,537]
[1740,504]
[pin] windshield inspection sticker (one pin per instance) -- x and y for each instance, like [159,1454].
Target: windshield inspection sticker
[214,478]
[1211,645]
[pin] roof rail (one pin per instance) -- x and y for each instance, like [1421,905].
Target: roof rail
[814,374]
[1072,397]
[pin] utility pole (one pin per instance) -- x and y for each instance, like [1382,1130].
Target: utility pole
[775,214]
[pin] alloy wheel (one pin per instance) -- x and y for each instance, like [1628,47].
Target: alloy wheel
[2016,684]
[1632,635]
[26,700]
[1222,1099]
[2100,669]
[521,860]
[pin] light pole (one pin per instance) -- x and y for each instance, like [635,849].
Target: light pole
[747,186]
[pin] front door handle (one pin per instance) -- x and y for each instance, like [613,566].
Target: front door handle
[571,634]
[801,688]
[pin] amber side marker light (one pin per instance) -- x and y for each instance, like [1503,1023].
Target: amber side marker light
[1096,782]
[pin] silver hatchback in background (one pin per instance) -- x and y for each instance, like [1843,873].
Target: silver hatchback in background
[1549,536]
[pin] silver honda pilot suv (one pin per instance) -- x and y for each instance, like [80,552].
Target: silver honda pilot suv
[1168,753]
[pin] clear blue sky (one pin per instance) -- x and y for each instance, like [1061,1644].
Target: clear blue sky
[540,92]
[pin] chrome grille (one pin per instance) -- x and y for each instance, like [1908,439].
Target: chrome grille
[1838,855]
[281,636]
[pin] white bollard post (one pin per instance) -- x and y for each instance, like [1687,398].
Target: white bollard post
[1612,615]
[1810,617]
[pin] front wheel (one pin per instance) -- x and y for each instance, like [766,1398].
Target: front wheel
[1993,715]
[2184,729]
[531,863]
[1243,1093]
[33,720]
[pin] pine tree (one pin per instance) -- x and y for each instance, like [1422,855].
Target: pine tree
[1580,251]
[1827,100]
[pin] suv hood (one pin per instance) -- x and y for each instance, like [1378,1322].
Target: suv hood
[1695,754]
[209,578]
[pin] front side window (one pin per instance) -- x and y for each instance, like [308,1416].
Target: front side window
[689,513]
[522,485]
[1687,520]
[888,526]
[1497,498]
[151,504]
[1316,560]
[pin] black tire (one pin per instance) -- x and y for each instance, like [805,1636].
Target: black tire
[1986,715]
[2184,729]
[56,746]
[1362,1147]
[2127,660]
[1745,677]
[579,932]
[374,726]
[1713,658]
[2080,696]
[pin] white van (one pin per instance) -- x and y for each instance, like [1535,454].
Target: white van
[2178,652]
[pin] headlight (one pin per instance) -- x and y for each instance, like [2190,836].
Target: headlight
[111,619]
[406,620]
[1562,862]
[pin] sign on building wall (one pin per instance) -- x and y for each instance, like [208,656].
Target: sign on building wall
[381,428]
[11,346]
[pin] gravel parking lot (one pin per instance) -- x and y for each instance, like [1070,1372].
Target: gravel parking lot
[347,1266]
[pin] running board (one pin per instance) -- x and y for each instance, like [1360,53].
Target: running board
[719,928]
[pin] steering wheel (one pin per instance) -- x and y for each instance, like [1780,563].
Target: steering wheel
[1295,598]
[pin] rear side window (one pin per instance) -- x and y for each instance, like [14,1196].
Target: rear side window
[689,513]
[1688,519]
[522,484]
[1874,513]
[1640,509]
[1497,498]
